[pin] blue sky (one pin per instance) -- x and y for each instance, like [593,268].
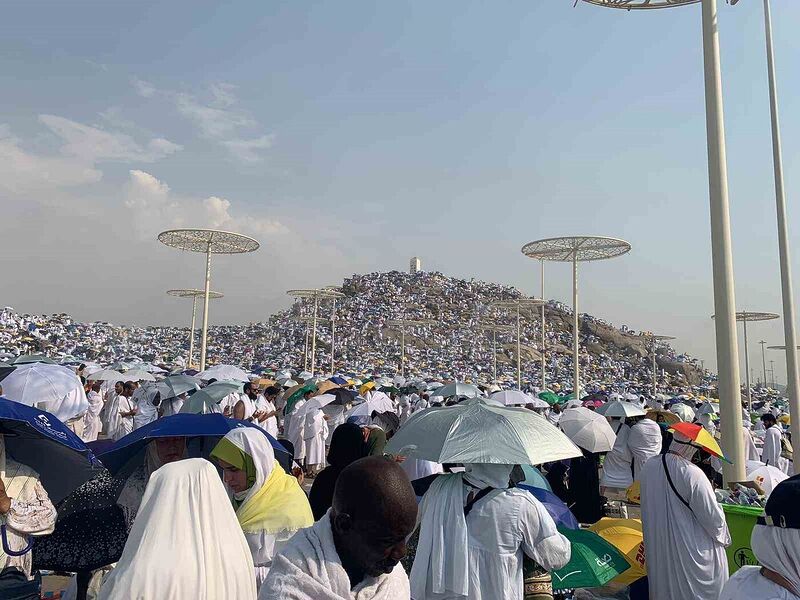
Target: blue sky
[348,136]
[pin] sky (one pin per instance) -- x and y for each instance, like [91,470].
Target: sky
[347,137]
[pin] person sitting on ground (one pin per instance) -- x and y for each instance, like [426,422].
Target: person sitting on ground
[353,552]
[269,503]
[776,544]
[185,542]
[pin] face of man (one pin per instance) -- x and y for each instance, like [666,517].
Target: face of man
[376,548]
[170,449]
[118,388]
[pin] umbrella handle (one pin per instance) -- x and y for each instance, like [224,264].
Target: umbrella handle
[8,550]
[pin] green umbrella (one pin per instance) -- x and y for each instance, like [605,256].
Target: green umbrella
[389,389]
[594,561]
[550,397]
[294,398]
[24,359]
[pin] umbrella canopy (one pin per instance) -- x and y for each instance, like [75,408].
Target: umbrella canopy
[512,397]
[343,396]
[700,437]
[26,359]
[49,387]
[175,385]
[587,429]
[477,432]
[366,387]
[620,409]
[137,375]
[537,403]
[41,441]
[457,389]
[377,402]
[106,375]
[663,416]
[315,403]
[325,387]
[766,476]
[338,380]
[626,536]
[224,372]
[211,395]
[684,412]
[534,478]
[594,561]
[6,371]
[210,427]
[550,398]
[560,512]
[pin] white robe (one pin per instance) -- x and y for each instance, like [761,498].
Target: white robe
[316,430]
[270,425]
[92,424]
[750,450]
[171,406]
[685,549]
[122,426]
[644,442]
[618,464]
[197,552]
[771,453]
[295,432]
[748,584]
[147,411]
[309,568]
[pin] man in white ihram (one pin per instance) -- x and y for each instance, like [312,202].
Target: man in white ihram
[685,533]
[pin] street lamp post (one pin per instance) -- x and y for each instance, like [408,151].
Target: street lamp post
[517,304]
[207,241]
[495,328]
[544,363]
[575,249]
[194,295]
[655,339]
[721,253]
[763,362]
[402,324]
[316,295]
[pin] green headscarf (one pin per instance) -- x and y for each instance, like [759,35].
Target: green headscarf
[229,452]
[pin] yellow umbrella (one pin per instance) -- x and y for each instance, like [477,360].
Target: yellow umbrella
[626,536]
[325,387]
[701,437]
[366,387]
[663,416]
[785,419]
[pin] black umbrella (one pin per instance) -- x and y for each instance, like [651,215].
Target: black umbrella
[343,396]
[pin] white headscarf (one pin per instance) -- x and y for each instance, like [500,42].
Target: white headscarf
[682,446]
[778,550]
[255,444]
[185,542]
[488,475]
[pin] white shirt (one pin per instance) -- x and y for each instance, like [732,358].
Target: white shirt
[748,584]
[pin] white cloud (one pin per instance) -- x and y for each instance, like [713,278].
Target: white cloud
[155,207]
[92,144]
[143,88]
[213,122]
[246,150]
[223,94]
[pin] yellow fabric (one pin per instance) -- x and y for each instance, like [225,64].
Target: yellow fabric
[279,505]
[634,493]
[626,536]
[366,387]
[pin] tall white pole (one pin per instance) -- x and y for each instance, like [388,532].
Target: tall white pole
[191,331]
[402,351]
[204,340]
[305,350]
[576,370]
[333,337]
[790,337]
[314,335]
[721,256]
[764,361]
[494,352]
[519,351]
[655,369]
[747,369]
[544,362]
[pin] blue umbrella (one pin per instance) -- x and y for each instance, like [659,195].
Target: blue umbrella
[338,380]
[555,506]
[534,478]
[39,440]
[210,426]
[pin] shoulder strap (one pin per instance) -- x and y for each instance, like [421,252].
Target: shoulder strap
[672,485]
[468,506]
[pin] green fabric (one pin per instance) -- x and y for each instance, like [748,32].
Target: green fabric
[295,398]
[376,442]
[594,561]
[236,457]
[550,397]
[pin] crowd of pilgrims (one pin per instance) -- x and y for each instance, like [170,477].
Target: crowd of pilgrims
[452,345]
[241,526]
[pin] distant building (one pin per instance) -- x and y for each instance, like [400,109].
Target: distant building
[415,266]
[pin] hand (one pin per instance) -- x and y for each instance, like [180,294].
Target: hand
[298,474]
[399,458]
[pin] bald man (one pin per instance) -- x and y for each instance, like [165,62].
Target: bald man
[354,551]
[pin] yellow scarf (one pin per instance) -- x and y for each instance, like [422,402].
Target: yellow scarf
[279,505]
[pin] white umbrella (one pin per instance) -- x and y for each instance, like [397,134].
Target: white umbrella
[52,388]
[304,375]
[685,412]
[573,404]
[618,408]
[768,477]
[457,389]
[137,375]
[92,368]
[106,375]
[477,432]
[220,372]
[707,408]
[512,397]
[377,402]
[314,403]
[538,403]
[587,429]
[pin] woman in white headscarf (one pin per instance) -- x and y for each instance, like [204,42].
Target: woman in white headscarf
[25,511]
[474,530]
[270,505]
[775,541]
[185,542]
